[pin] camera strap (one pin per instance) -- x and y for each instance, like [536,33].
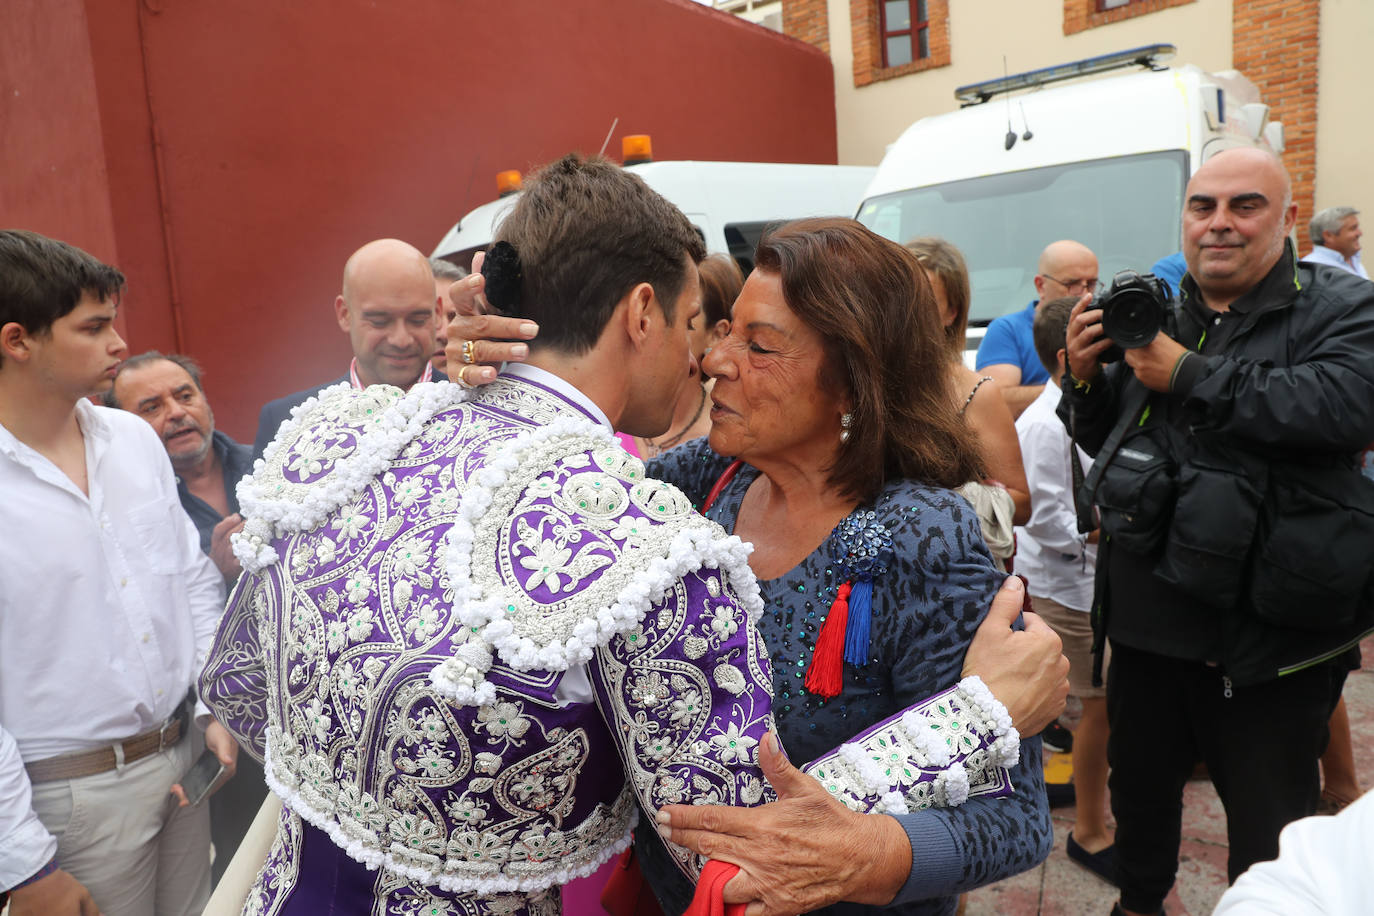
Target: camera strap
[1085,489]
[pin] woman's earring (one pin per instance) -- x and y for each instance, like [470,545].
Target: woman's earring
[846,421]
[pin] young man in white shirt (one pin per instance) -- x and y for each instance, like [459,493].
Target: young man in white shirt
[1059,563]
[107,608]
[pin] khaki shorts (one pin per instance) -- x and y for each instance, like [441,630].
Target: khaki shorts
[1076,631]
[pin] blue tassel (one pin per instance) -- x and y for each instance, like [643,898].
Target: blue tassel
[860,617]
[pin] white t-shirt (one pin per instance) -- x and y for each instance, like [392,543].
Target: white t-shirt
[1325,865]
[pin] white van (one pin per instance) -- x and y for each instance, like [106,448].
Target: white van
[1102,161]
[730,203]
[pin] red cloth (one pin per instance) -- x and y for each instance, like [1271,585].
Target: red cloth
[709,899]
[625,893]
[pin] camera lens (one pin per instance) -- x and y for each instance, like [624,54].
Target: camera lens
[1131,319]
[1133,310]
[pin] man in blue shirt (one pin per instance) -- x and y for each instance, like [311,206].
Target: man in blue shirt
[1171,269]
[1007,353]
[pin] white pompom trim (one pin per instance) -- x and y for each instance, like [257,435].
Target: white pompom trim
[919,731]
[1005,751]
[892,803]
[271,516]
[951,786]
[699,545]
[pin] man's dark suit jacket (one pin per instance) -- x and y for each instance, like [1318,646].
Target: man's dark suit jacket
[274,412]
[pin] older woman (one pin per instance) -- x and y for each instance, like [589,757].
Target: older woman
[833,449]
[830,398]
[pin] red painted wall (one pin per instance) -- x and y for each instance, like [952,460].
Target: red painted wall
[237,152]
[52,158]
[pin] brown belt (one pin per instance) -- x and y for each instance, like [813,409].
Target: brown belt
[104,759]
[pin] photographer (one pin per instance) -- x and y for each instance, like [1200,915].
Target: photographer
[1233,575]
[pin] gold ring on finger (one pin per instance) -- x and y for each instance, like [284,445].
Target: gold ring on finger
[469,351]
[462,377]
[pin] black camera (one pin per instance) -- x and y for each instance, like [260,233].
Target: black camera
[1134,309]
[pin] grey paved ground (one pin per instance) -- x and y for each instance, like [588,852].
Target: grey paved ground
[1061,887]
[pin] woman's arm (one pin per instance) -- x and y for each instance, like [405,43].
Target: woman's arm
[982,841]
[807,850]
[1024,668]
[990,420]
[945,582]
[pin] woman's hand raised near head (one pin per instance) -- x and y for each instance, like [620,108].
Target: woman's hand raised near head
[1025,669]
[495,340]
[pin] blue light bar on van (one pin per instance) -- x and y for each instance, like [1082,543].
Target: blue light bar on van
[1148,56]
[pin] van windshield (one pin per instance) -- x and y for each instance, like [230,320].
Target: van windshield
[1126,209]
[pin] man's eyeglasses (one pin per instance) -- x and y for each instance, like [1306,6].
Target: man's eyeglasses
[1089,285]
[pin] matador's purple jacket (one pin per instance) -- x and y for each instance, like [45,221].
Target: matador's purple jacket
[470,637]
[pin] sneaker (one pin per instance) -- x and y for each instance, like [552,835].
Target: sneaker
[1057,738]
[1099,863]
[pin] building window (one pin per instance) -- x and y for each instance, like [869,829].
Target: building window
[1089,14]
[905,31]
[894,38]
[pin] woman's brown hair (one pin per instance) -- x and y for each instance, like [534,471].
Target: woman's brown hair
[721,281]
[857,289]
[947,262]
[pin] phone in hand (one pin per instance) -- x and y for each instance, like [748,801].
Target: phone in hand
[201,777]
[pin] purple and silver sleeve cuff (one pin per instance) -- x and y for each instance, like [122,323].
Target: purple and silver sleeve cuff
[938,752]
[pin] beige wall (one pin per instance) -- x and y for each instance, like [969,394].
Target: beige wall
[1031,34]
[1345,170]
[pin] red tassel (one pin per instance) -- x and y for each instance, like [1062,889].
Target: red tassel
[825,674]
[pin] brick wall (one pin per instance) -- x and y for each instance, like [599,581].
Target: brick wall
[1083,14]
[868,50]
[1274,43]
[807,20]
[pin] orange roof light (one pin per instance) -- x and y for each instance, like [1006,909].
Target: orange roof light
[636,148]
[508,182]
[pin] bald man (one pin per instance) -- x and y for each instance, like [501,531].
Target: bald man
[1233,572]
[389,309]
[1007,353]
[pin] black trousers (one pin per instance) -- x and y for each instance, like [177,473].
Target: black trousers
[1261,744]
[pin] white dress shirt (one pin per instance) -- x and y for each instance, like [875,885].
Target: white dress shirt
[1056,560]
[562,386]
[107,605]
[1320,254]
